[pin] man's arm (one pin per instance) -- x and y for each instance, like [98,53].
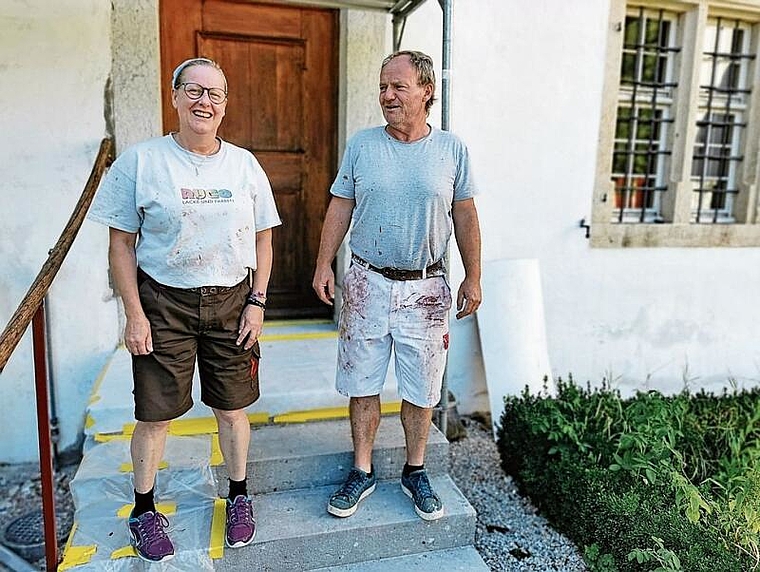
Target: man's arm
[123,262]
[334,229]
[467,232]
[252,319]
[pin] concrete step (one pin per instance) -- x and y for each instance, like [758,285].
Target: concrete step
[464,559]
[302,455]
[295,532]
[281,457]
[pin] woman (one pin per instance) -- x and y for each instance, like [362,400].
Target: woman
[194,288]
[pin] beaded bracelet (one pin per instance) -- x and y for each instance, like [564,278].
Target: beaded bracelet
[255,302]
[260,295]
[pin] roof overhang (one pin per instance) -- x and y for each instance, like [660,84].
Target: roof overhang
[400,7]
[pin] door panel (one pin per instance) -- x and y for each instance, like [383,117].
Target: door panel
[274,58]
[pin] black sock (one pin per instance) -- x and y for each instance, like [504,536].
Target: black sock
[238,488]
[411,468]
[144,503]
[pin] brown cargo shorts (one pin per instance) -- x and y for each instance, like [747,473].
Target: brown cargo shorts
[188,325]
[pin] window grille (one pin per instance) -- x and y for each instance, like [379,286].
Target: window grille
[644,113]
[724,91]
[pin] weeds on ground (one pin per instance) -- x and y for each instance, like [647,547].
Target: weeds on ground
[648,483]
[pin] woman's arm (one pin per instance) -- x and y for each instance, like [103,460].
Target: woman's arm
[123,262]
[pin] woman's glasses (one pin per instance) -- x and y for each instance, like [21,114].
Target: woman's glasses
[195,91]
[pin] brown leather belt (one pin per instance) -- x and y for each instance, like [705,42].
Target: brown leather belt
[400,273]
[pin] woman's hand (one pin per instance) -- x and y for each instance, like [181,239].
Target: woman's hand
[251,323]
[137,336]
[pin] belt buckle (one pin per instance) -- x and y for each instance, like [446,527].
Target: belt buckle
[361,262]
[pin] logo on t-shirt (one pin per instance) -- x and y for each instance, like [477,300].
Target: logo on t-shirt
[200,196]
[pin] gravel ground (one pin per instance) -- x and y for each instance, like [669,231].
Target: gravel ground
[510,535]
[21,494]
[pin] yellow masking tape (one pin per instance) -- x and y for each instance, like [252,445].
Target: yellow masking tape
[295,323]
[95,393]
[216,452]
[123,552]
[76,555]
[162,507]
[301,336]
[329,413]
[128,467]
[105,437]
[193,426]
[89,421]
[216,541]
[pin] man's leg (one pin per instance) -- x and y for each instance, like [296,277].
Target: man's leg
[361,481]
[365,419]
[421,343]
[416,422]
[414,480]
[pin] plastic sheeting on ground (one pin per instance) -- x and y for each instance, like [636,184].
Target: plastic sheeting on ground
[186,492]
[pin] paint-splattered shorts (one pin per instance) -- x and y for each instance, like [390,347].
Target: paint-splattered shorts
[411,317]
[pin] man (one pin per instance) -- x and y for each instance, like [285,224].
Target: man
[400,186]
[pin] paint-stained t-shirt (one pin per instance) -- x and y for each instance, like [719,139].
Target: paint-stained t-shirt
[404,193]
[196,216]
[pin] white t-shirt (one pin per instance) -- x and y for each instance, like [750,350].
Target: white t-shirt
[196,215]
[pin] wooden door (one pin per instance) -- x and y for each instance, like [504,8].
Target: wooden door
[281,65]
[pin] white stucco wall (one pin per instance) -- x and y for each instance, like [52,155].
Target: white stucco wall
[527,80]
[56,60]
[136,72]
[526,83]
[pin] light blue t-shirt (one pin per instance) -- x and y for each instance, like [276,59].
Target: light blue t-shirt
[404,194]
[196,216]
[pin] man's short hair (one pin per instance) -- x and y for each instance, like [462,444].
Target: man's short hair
[423,64]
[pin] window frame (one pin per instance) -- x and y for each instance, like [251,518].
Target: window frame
[678,230]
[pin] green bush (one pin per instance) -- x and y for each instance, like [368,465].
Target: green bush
[651,482]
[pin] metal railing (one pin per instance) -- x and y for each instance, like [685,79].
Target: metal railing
[32,309]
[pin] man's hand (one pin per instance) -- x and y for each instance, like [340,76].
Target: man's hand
[469,297]
[251,324]
[324,284]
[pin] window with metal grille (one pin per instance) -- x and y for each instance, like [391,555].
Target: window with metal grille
[645,111]
[680,163]
[724,92]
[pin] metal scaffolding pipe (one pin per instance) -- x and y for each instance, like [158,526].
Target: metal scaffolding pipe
[446,6]
[43,434]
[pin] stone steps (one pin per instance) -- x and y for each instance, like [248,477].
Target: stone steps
[293,468]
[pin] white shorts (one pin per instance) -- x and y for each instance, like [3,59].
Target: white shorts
[409,316]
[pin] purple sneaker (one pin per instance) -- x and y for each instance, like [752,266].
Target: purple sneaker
[241,524]
[147,535]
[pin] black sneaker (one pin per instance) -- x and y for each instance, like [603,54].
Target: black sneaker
[426,503]
[358,486]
